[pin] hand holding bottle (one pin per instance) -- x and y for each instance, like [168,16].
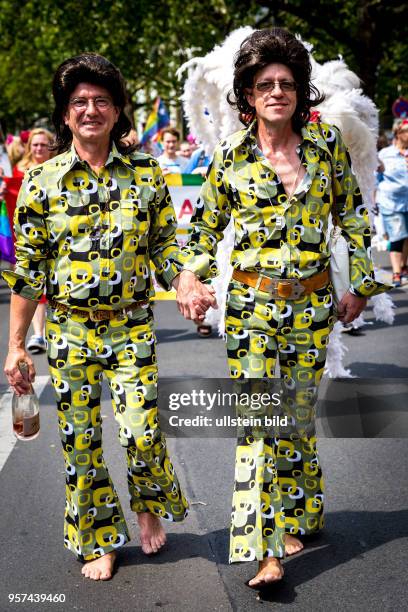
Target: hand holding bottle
[25,410]
[20,382]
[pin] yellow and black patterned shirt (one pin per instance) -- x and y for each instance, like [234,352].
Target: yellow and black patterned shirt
[275,235]
[88,238]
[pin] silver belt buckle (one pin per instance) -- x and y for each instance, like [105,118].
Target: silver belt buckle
[274,289]
[272,284]
[297,289]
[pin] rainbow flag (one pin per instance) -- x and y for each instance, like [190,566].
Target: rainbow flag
[6,238]
[156,121]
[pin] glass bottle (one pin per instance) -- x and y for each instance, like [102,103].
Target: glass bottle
[25,411]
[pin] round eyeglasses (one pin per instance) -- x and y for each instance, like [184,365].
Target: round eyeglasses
[100,102]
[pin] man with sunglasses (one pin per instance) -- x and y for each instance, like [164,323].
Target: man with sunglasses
[279,179]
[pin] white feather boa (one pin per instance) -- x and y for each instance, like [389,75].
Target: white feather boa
[211,119]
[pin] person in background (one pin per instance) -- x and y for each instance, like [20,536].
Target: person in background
[382,141]
[15,150]
[193,142]
[198,162]
[392,199]
[169,161]
[185,150]
[37,152]
[5,166]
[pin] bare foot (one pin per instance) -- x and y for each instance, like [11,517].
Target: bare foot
[270,570]
[100,569]
[152,535]
[292,545]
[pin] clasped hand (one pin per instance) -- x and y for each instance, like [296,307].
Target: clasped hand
[350,307]
[194,298]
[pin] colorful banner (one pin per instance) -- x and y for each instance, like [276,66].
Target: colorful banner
[184,190]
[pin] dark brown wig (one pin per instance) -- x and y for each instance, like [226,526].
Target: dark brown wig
[275,46]
[97,70]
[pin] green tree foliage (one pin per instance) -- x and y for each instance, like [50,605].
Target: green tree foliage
[149,39]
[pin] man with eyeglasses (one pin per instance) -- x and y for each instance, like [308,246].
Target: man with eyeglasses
[88,223]
[279,179]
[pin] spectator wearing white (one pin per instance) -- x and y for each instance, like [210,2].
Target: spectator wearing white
[169,161]
[392,199]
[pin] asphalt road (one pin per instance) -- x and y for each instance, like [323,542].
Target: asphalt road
[359,562]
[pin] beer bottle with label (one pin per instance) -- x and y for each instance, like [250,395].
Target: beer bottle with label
[26,411]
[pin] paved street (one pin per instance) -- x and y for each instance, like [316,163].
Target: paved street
[358,563]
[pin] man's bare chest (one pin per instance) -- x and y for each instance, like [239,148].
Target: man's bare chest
[289,170]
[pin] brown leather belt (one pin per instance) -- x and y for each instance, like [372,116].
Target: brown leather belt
[96,315]
[284,289]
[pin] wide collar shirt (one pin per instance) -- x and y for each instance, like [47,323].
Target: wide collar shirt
[88,239]
[277,235]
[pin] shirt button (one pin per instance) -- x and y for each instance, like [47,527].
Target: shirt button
[100,180]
